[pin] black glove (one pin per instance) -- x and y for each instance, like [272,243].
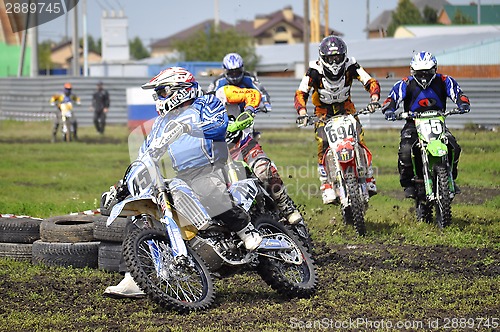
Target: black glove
[373,106]
[464,108]
[390,115]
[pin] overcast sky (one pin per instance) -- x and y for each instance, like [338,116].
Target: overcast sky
[151,20]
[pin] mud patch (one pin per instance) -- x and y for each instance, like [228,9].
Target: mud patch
[467,262]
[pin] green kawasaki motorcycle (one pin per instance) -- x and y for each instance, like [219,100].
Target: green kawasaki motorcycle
[433,179]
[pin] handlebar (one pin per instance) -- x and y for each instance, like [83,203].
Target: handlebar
[408,115]
[311,119]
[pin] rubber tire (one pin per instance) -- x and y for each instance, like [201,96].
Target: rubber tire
[68,229]
[16,251]
[270,271]
[109,256]
[143,272]
[115,232]
[357,206]
[19,230]
[78,255]
[443,210]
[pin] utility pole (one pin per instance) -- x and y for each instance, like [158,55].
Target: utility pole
[34,48]
[216,15]
[306,34]
[76,46]
[85,40]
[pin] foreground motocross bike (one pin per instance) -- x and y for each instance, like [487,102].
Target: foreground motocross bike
[433,179]
[177,248]
[346,162]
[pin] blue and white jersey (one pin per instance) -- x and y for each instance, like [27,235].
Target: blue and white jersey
[416,99]
[204,145]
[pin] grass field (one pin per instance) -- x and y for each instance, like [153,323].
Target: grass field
[401,272]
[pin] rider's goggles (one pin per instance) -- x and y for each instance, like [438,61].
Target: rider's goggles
[424,74]
[163,93]
[234,73]
[334,59]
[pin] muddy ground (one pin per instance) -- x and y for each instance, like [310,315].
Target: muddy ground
[74,301]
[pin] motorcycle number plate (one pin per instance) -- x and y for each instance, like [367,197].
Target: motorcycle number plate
[339,129]
[430,128]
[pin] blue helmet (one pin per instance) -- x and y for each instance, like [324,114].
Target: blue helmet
[423,68]
[234,70]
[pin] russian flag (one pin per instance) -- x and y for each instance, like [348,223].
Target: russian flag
[140,107]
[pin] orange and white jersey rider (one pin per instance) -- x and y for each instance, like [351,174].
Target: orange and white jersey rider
[333,95]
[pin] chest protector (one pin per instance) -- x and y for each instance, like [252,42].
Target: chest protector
[334,92]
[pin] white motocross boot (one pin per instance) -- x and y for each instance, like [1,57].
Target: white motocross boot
[250,237]
[126,288]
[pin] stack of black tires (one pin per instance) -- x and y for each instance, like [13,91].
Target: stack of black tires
[70,240]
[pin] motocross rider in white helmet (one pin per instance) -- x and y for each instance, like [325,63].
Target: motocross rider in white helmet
[191,128]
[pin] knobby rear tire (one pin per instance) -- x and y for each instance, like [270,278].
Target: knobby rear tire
[286,278]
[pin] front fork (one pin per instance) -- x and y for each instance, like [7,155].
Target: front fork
[179,249]
[427,165]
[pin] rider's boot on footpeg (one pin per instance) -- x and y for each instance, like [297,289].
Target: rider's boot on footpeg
[250,237]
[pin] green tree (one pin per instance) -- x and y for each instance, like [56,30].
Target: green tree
[92,45]
[44,51]
[137,49]
[430,15]
[461,18]
[212,45]
[406,13]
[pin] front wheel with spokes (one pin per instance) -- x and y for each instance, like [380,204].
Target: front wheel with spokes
[180,283]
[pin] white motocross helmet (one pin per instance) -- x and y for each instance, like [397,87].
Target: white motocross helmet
[173,87]
[423,68]
[234,70]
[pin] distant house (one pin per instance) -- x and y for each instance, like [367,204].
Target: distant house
[280,27]
[61,55]
[490,14]
[378,27]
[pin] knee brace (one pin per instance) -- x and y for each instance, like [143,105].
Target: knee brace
[266,171]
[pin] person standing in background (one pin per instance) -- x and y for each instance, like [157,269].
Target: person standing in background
[100,106]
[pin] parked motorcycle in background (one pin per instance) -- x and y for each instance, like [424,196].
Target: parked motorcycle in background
[346,162]
[435,188]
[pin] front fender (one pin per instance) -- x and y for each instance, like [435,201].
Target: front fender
[437,148]
[133,206]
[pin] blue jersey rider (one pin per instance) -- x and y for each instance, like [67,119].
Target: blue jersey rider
[423,90]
